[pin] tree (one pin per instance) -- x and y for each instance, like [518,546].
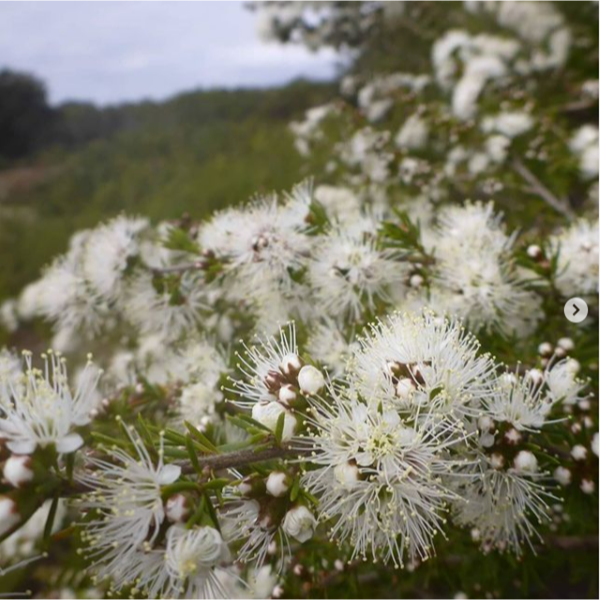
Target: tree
[26,119]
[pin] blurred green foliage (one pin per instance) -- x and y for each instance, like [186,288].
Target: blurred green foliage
[196,153]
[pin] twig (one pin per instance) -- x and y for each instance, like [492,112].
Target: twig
[541,190]
[242,458]
[579,105]
[573,542]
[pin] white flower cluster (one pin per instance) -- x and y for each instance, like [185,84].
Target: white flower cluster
[363,408]
[272,256]
[421,426]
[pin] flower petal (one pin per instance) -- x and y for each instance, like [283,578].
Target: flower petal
[69,443]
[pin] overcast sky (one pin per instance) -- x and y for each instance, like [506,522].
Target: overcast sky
[109,52]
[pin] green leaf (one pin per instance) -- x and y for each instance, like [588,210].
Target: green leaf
[295,491]
[50,520]
[201,438]
[180,240]
[192,453]
[279,427]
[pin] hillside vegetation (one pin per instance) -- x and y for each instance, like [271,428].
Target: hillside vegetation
[194,153]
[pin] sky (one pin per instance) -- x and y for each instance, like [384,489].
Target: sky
[109,52]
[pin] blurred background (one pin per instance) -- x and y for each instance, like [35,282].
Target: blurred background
[147,108]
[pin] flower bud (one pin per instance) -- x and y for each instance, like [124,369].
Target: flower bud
[512,437]
[287,394]
[562,475]
[299,523]
[405,388]
[291,365]
[310,380]
[534,251]
[545,349]
[587,486]
[595,444]
[268,413]
[9,514]
[535,376]
[277,484]
[497,461]
[346,474]
[579,452]
[416,281]
[485,423]
[177,508]
[560,352]
[526,462]
[567,344]
[274,380]
[17,470]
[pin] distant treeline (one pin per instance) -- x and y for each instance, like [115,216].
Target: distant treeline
[29,124]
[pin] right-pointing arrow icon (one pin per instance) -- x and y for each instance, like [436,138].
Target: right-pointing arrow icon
[576,310]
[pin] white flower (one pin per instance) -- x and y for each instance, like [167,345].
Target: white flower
[198,401]
[504,505]
[64,297]
[299,523]
[577,265]
[393,500]
[126,505]
[10,370]
[475,275]
[247,521]
[413,134]
[520,402]
[193,559]
[260,242]
[168,307]
[264,367]
[584,144]
[595,444]
[562,382]
[366,150]
[342,204]
[268,414]
[17,470]
[108,252]
[310,380]
[328,344]
[350,274]
[346,474]
[508,123]
[39,409]
[440,359]
[9,317]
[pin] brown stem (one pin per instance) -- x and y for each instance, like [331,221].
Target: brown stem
[242,458]
[537,187]
[573,542]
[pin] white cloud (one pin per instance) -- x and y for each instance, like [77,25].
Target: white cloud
[111,52]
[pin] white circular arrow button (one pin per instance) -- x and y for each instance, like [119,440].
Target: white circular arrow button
[576,310]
